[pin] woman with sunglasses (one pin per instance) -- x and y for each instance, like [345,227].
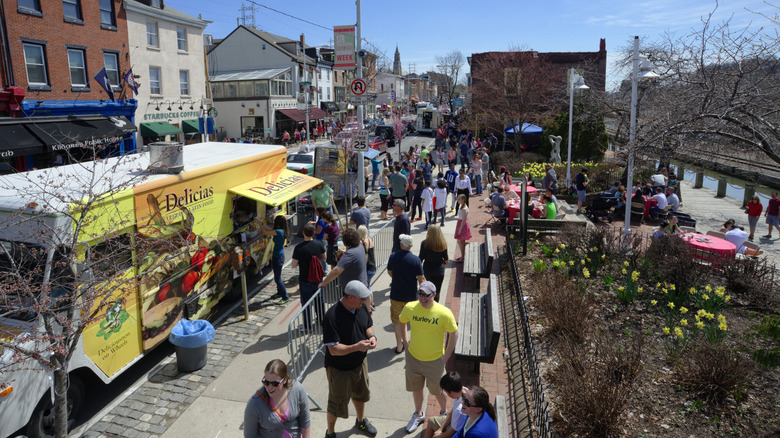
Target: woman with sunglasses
[280,409]
[481,422]
[753,210]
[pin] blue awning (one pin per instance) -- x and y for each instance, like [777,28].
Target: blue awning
[370,153]
[526,129]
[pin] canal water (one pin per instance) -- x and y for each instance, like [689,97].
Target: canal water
[735,187]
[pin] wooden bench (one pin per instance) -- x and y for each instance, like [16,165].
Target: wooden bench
[479,325]
[502,416]
[478,259]
[550,226]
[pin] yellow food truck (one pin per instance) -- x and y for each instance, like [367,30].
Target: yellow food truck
[181,226]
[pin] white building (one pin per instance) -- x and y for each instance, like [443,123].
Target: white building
[389,88]
[166,51]
[256,81]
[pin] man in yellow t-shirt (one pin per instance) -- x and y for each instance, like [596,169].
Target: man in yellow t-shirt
[427,353]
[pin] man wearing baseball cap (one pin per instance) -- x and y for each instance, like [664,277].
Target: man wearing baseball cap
[429,349]
[348,334]
[406,272]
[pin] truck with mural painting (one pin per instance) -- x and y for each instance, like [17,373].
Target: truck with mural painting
[175,238]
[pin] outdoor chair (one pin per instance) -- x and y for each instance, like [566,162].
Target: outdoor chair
[497,215]
[717,234]
[638,208]
[748,245]
[688,229]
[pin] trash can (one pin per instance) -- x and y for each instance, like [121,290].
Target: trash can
[191,340]
[305,213]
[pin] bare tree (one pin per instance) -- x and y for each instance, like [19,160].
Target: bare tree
[515,87]
[718,93]
[448,66]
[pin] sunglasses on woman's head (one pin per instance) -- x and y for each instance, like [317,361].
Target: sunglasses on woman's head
[272,383]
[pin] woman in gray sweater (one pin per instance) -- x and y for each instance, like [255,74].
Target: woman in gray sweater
[280,409]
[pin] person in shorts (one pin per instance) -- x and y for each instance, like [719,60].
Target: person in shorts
[581,183]
[771,214]
[429,349]
[348,334]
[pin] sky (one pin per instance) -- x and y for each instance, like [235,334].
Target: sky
[424,29]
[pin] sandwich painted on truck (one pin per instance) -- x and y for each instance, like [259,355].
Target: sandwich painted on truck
[182,231]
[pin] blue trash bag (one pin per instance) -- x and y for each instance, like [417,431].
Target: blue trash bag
[192,334]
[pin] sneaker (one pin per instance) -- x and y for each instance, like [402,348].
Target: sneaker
[415,422]
[330,435]
[365,427]
[282,300]
[452,210]
[768,236]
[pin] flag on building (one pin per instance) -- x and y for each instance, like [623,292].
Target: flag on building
[102,79]
[130,80]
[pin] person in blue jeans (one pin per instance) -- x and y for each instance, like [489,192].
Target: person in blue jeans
[279,234]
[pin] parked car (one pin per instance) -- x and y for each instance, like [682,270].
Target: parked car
[378,143]
[387,132]
[301,162]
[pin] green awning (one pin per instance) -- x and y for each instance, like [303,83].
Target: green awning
[158,129]
[191,126]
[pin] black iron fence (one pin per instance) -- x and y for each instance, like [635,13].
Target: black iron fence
[539,415]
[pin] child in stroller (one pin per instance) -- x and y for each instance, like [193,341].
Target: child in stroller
[602,207]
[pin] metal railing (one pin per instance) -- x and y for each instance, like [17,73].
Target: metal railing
[304,331]
[538,403]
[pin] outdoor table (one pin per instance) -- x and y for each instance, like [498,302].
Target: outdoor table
[649,203]
[518,189]
[513,207]
[710,244]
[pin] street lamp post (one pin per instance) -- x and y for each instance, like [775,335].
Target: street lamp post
[576,82]
[645,73]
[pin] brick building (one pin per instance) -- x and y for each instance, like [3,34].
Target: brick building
[528,83]
[52,52]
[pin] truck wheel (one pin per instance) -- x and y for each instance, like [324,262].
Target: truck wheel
[42,420]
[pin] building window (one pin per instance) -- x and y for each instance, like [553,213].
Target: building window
[181,38]
[78,68]
[512,77]
[29,6]
[184,82]
[151,34]
[381,87]
[111,61]
[155,80]
[327,92]
[72,9]
[216,90]
[35,60]
[282,85]
[107,13]
[328,71]
[319,74]
[156,4]
[261,88]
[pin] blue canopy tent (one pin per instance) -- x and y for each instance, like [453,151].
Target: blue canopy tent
[526,129]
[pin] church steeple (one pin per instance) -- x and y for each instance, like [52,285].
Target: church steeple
[397,62]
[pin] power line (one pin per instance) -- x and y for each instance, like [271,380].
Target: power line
[290,15]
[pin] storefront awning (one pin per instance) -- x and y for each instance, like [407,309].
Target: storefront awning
[190,126]
[295,115]
[16,141]
[158,129]
[64,134]
[276,188]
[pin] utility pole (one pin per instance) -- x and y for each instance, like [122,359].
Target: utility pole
[360,165]
[306,89]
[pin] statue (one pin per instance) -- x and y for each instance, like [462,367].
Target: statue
[555,154]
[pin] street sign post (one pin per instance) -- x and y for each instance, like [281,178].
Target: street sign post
[361,141]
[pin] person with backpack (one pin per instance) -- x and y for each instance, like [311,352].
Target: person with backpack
[307,257]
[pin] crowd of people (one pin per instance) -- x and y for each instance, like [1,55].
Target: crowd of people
[425,330]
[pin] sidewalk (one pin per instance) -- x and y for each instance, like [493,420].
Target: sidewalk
[211,401]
